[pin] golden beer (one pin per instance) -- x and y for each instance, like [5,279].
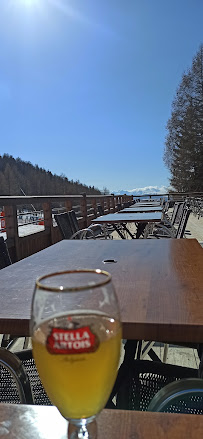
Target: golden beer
[77,358]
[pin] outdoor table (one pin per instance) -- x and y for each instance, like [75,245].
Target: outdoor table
[41,422]
[159,284]
[140,219]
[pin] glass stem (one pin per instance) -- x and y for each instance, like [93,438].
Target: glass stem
[82,430]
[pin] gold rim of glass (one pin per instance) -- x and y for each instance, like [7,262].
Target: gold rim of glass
[79,288]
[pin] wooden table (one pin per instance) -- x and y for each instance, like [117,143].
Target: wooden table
[123,218]
[159,284]
[40,422]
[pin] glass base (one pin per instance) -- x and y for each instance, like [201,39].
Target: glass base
[82,428]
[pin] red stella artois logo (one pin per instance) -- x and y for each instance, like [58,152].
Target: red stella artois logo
[72,341]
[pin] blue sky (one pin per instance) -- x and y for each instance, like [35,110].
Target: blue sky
[86,86]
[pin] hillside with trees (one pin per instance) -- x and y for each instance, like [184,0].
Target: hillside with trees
[184,142]
[18,176]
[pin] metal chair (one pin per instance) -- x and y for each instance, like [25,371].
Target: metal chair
[14,382]
[164,231]
[5,259]
[19,379]
[183,396]
[96,229]
[69,228]
[139,380]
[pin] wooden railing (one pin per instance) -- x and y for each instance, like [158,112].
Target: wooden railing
[84,205]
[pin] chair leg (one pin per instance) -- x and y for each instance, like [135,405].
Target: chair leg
[165,354]
[146,349]
[26,342]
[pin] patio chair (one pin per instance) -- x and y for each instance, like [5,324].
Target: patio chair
[5,259]
[69,228]
[163,231]
[96,229]
[139,380]
[183,396]
[66,227]
[19,379]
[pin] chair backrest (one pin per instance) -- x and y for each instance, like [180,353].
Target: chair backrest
[100,210]
[179,213]
[182,396]
[73,221]
[64,224]
[183,222]
[119,207]
[175,210]
[5,259]
[15,386]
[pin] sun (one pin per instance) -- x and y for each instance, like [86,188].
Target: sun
[29,3]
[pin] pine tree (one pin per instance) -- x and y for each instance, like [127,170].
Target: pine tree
[183,153]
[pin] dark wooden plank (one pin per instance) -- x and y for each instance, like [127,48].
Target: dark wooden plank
[31,422]
[159,284]
[129,218]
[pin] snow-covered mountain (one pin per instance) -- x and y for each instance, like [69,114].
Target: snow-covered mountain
[144,190]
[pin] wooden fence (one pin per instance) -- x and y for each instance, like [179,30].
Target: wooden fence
[84,205]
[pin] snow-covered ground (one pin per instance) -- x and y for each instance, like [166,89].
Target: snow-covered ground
[27,229]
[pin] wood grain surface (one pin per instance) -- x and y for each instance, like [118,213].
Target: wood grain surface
[159,284]
[129,218]
[35,422]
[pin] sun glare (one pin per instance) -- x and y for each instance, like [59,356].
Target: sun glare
[28,3]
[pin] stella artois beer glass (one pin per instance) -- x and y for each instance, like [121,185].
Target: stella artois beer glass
[76,335]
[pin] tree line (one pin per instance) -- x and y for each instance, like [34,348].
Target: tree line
[18,177]
[183,153]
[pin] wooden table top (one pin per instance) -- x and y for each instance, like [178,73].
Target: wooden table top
[129,218]
[159,284]
[41,422]
[135,209]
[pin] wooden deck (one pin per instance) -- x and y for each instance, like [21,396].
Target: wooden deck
[195,228]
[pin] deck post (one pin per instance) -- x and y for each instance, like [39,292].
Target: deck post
[83,208]
[113,202]
[108,204]
[48,224]
[94,206]
[68,205]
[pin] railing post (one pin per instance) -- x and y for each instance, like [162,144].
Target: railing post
[12,230]
[94,206]
[116,202]
[108,204]
[83,208]
[48,224]
[68,205]
[113,202]
[102,202]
